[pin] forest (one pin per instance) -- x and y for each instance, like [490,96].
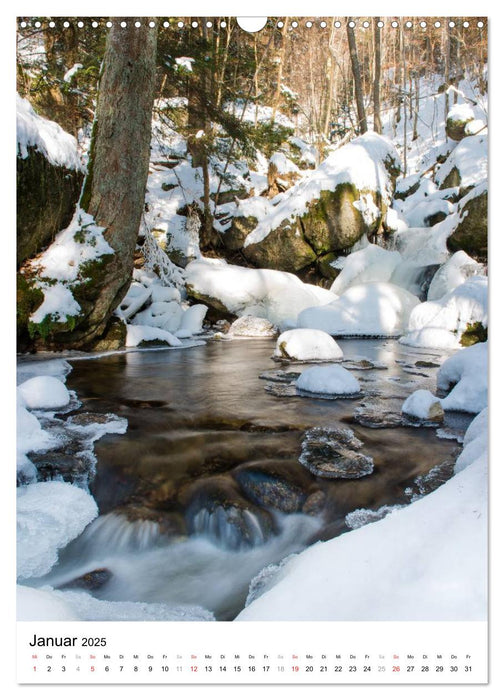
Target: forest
[252,318]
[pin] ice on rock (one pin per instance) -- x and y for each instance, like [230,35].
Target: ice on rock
[139,334]
[166,315]
[424,406]
[332,379]
[53,605]
[50,368]
[136,297]
[307,345]
[252,327]
[30,435]
[465,376]
[442,322]
[371,264]
[373,309]
[44,392]
[50,514]
[192,321]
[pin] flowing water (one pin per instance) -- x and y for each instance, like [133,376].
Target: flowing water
[205,488]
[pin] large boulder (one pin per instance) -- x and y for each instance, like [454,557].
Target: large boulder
[458,117]
[345,198]
[471,234]
[285,248]
[49,179]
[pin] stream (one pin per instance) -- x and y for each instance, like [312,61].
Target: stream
[205,488]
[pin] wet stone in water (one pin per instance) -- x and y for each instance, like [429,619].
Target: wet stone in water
[280,375]
[375,418]
[282,390]
[331,453]
[270,486]
[92,581]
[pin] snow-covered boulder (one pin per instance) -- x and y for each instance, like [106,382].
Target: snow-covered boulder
[467,164]
[49,179]
[333,380]
[330,209]
[241,291]
[371,264]
[465,376]
[282,173]
[307,345]
[137,335]
[471,231]
[374,309]
[442,323]
[44,392]
[458,117]
[452,274]
[423,406]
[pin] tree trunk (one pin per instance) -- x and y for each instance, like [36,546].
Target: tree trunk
[359,95]
[447,72]
[377,125]
[114,190]
[279,71]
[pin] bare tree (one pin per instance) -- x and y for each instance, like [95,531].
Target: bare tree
[359,95]
[377,125]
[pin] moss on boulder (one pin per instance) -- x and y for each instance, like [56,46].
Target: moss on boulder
[285,248]
[471,234]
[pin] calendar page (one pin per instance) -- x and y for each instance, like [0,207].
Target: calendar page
[252,358]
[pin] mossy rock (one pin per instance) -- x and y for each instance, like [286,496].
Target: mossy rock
[453,179]
[46,199]
[333,223]
[28,299]
[285,248]
[455,128]
[240,227]
[474,333]
[471,234]
[113,338]
[325,267]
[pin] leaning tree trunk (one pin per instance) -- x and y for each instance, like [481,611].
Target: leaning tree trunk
[114,190]
[359,94]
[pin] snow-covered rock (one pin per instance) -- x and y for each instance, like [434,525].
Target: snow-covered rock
[50,514]
[332,379]
[457,119]
[307,345]
[371,264]
[44,392]
[465,376]
[277,296]
[424,406]
[138,334]
[373,309]
[452,274]
[467,164]
[252,327]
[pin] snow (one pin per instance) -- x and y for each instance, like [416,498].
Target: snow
[426,561]
[452,274]
[261,114]
[45,136]
[138,334]
[277,296]
[185,63]
[48,604]
[371,264]
[284,165]
[373,309]
[44,392]
[470,157]
[360,162]
[475,441]
[136,296]
[333,380]
[442,322]
[419,404]
[468,371]
[252,327]
[460,112]
[306,345]
[60,266]
[30,437]
[71,72]
[49,515]
[192,320]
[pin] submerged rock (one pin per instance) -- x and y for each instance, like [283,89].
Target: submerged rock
[371,417]
[280,375]
[92,581]
[272,484]
[216,509]
[331,453]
